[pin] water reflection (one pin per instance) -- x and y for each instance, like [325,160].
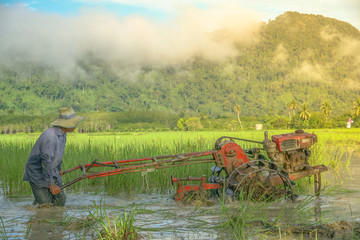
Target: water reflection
[44,224]
[317,211]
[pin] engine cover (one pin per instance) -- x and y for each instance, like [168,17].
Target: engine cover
[293,141]
[291,150]
[230,156]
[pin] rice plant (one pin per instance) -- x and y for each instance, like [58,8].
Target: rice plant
[253,219]
[332,150]
[249,218]
[120,227]
[3,234]
[12,160]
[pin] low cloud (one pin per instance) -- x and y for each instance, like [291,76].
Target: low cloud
[281,55]
[311,72]
[328,33]
[350,47]
[63,41]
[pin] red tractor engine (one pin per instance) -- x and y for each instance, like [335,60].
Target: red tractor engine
[291,150]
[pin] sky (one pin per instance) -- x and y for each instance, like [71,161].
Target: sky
[62,33]
[345,10]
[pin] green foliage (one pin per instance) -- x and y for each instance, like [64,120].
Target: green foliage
[193,124]
[305,112]
[296,57]
[326,108]
[279,122]
[356,123]
[95,121]
[318,120]
[291,107]
[180,124]
[237,110]
[357,107]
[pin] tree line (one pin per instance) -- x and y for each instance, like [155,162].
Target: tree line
[297,58]
[299,116]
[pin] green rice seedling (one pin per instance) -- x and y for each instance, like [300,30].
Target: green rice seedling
[76,223]
[28,229]
[331,150]
[121,227]
[3,234]
[252,219]
[301,213]
[248,214]
[315,234]
[12,162]
[80,228]
[279,232]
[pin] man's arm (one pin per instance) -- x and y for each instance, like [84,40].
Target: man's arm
[49,163]
[59,168]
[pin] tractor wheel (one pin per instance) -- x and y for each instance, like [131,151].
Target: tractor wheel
[253,181]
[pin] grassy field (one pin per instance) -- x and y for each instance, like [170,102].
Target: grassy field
[332,150]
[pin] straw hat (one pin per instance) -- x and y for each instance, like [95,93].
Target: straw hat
[67,118]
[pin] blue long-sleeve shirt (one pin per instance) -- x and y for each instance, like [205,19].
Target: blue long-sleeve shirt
[44,162]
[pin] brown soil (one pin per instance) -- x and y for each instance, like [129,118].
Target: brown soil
[336,230]
[197,198]
[81,223]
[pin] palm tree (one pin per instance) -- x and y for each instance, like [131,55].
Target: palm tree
[305,113]
[237,110]
[326,108]
[291,107]
[357,107]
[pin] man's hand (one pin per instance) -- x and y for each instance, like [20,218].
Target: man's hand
[61,173]
[54,189]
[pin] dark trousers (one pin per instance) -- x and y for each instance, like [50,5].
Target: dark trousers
[43,195]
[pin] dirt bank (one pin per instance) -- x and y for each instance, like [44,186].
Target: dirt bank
[335,230]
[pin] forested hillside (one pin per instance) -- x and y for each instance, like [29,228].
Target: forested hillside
[308,58]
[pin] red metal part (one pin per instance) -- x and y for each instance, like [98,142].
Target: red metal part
[300,138]
[141,165]
[182,190]
[140,160]
[313,170]
[230,156]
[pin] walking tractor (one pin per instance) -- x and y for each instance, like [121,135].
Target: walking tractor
[259,171]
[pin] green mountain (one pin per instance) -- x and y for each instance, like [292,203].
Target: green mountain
[309,58]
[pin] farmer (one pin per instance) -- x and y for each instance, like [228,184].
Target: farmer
[43,167]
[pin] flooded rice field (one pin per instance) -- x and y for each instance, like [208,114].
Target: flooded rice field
[160,217]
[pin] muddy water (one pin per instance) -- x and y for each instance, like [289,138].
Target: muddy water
[342,200]
[162,218]
[159,215]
